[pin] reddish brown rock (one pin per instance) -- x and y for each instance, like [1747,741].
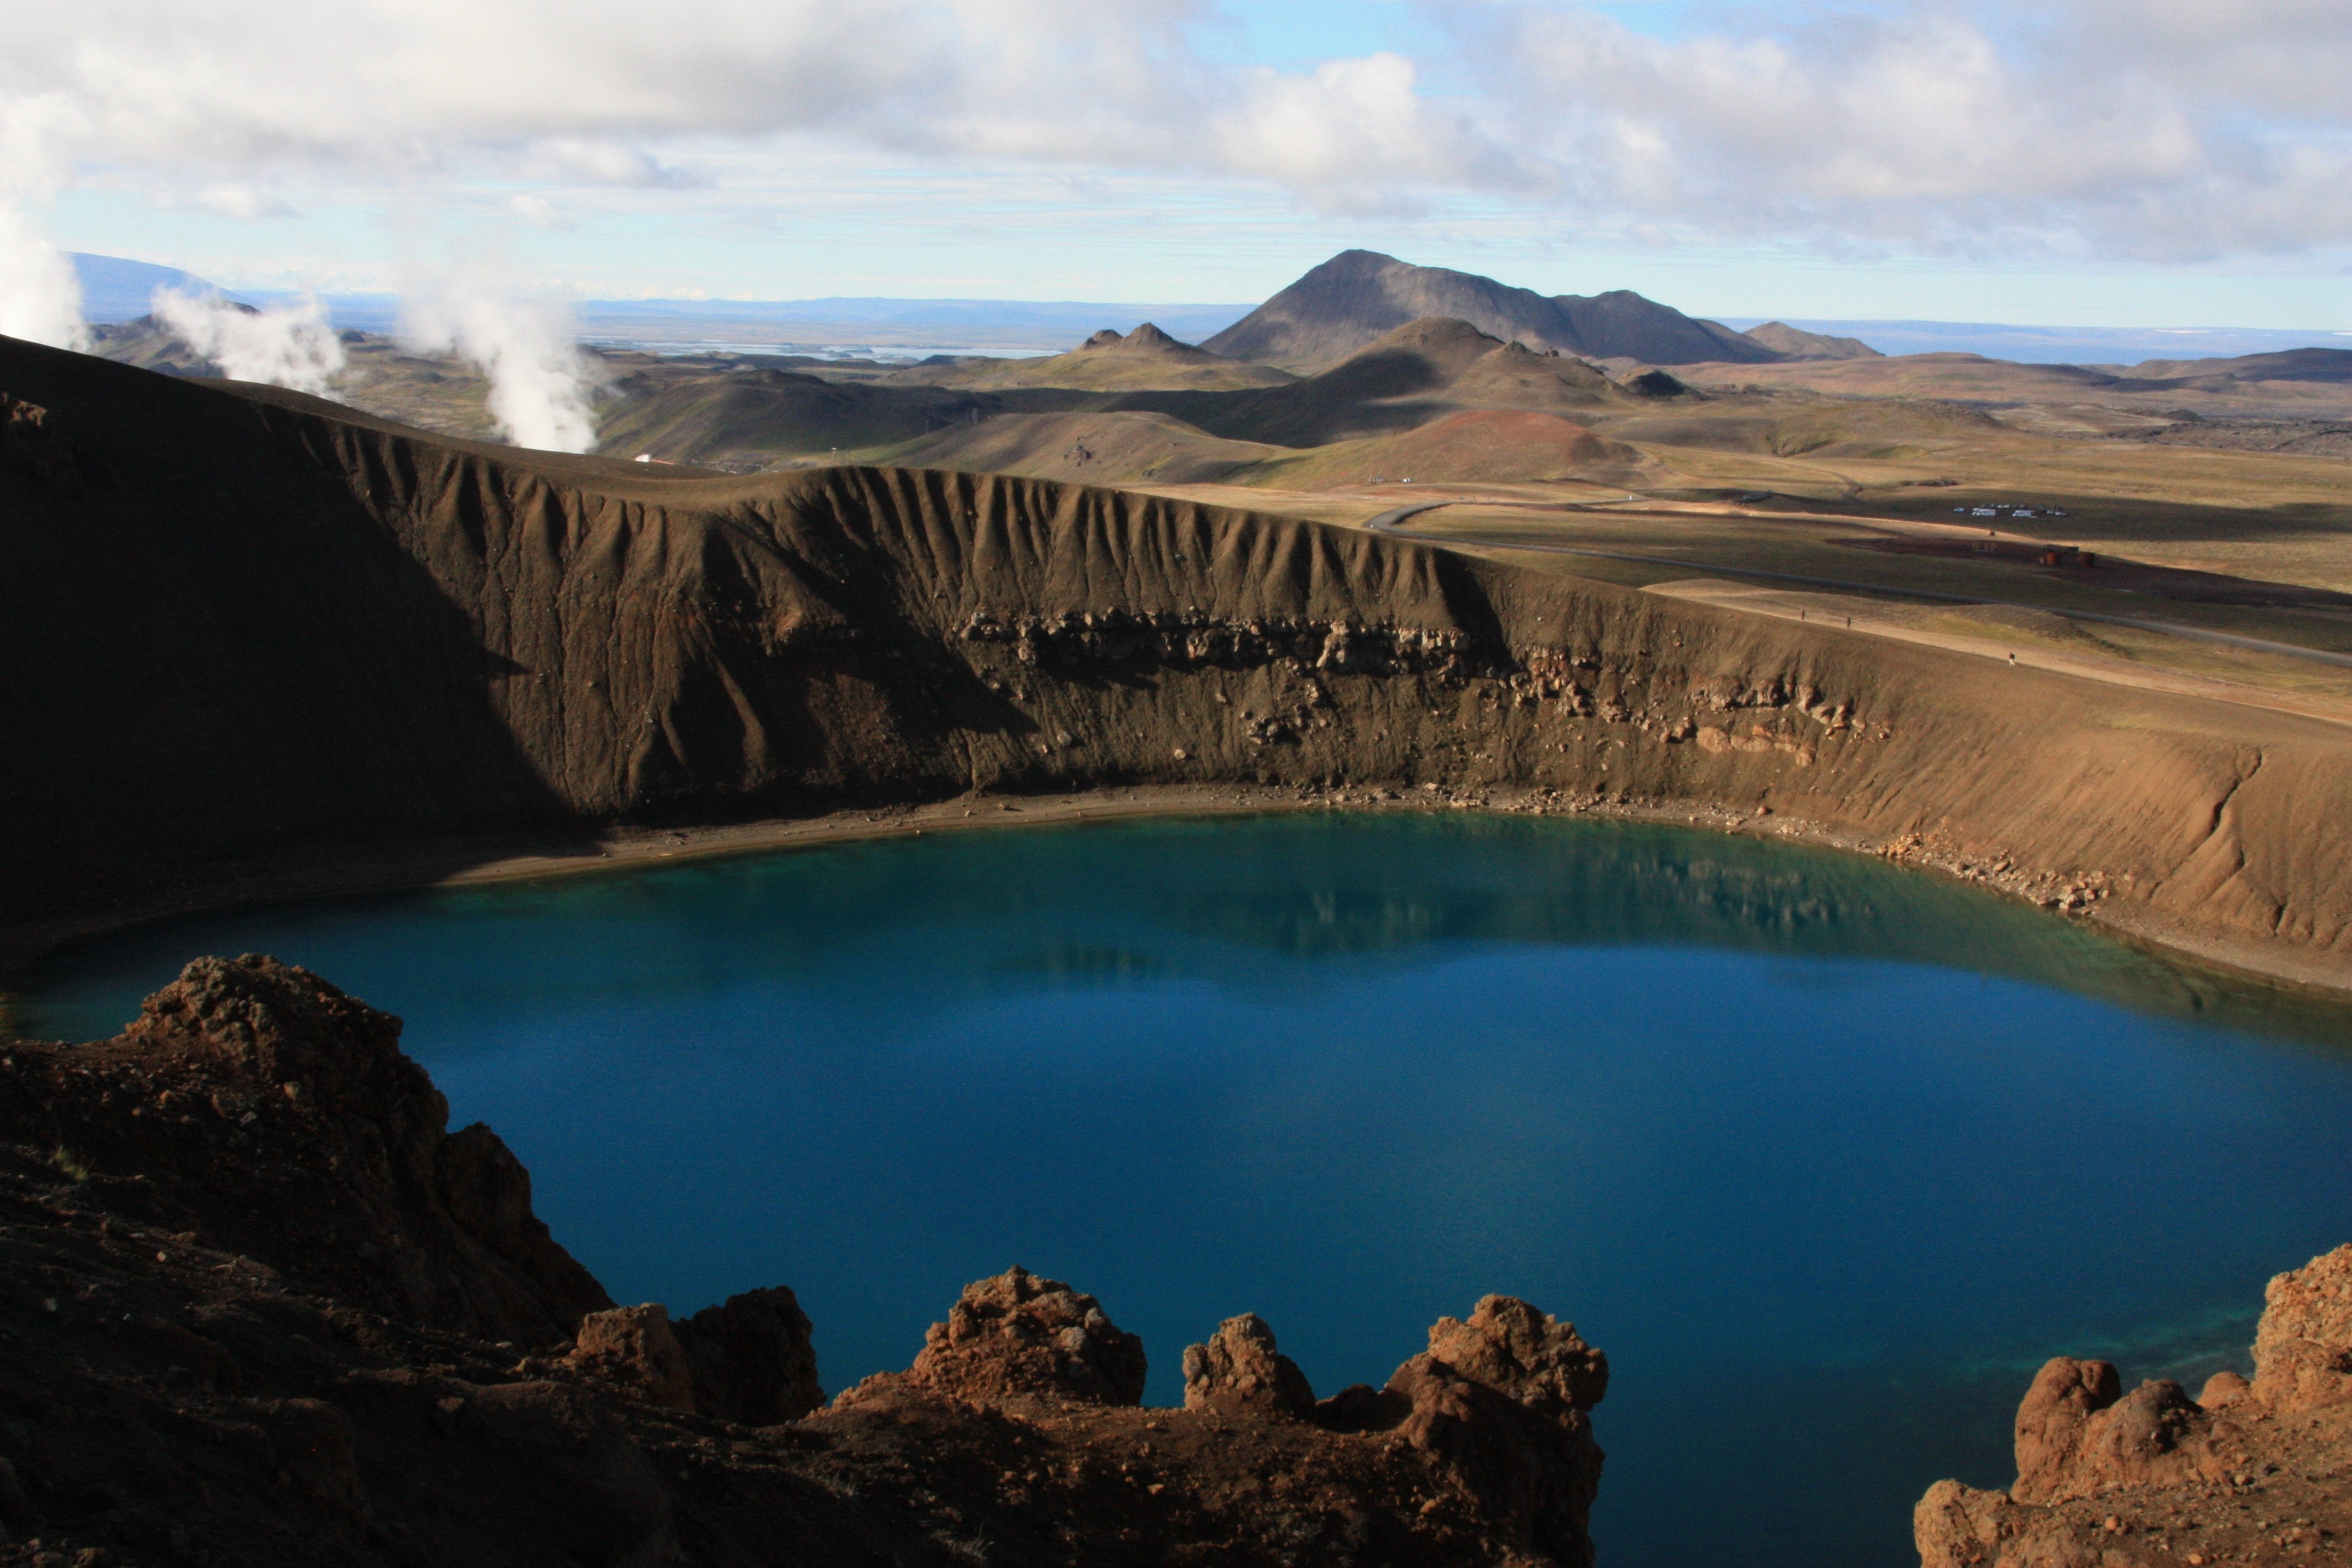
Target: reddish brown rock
[1525,1352]
[2302,1352]
[1017,1335]
[1240,1369]
[2055,1417]
[2223,1388]
[2246,1472]
[1501,1399]
[632,1349]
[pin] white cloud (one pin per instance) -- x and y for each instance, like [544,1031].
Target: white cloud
[537,211]
[243,201]
[2161,129]
[2104,126]
[1356,135]
[590,161]
[588,90]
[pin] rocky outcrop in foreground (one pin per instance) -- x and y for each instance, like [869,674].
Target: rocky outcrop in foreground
[258,1306]
[2245,1472]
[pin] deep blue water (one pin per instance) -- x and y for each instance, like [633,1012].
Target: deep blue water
[1827,1156]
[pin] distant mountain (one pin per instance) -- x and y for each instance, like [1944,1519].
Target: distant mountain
[114,289]
[2293,364]
[1797,344]
[2067,345]
[997,325]
[1360,296]
[1143,360]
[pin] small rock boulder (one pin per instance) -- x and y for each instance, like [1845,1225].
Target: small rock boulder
[634,1348]
[316,1452]
[2077,1435]
[1019,1335]
[2054,1418]
[2222,1390]
[1239,1371]
[750,1359]
[1525,1352]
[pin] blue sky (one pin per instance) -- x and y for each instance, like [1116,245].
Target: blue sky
[2085,161]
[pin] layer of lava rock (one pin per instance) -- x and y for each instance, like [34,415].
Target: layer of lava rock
[259,1307]
[2245,1472]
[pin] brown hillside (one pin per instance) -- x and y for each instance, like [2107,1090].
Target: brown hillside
[1421,372]
[2293,364]
[239,624]
[1476,445]
[1088,446]
[1915,375]
[744,420]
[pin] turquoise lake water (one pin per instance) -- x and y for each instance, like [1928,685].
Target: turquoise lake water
[1827,1156]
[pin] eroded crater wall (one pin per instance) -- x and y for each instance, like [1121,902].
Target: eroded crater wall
[242,623]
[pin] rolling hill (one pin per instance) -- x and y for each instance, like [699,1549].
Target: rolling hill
[745,420]
[1795,342]
[1421,370]
[1475,445]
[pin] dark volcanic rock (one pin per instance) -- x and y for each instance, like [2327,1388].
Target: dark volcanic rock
[299,1126]
[751,1360]
[256,1310]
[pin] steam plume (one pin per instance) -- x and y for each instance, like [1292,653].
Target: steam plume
[539,380]
[41,297]
[284,346]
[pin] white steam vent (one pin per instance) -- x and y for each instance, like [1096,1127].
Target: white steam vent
[282,345]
